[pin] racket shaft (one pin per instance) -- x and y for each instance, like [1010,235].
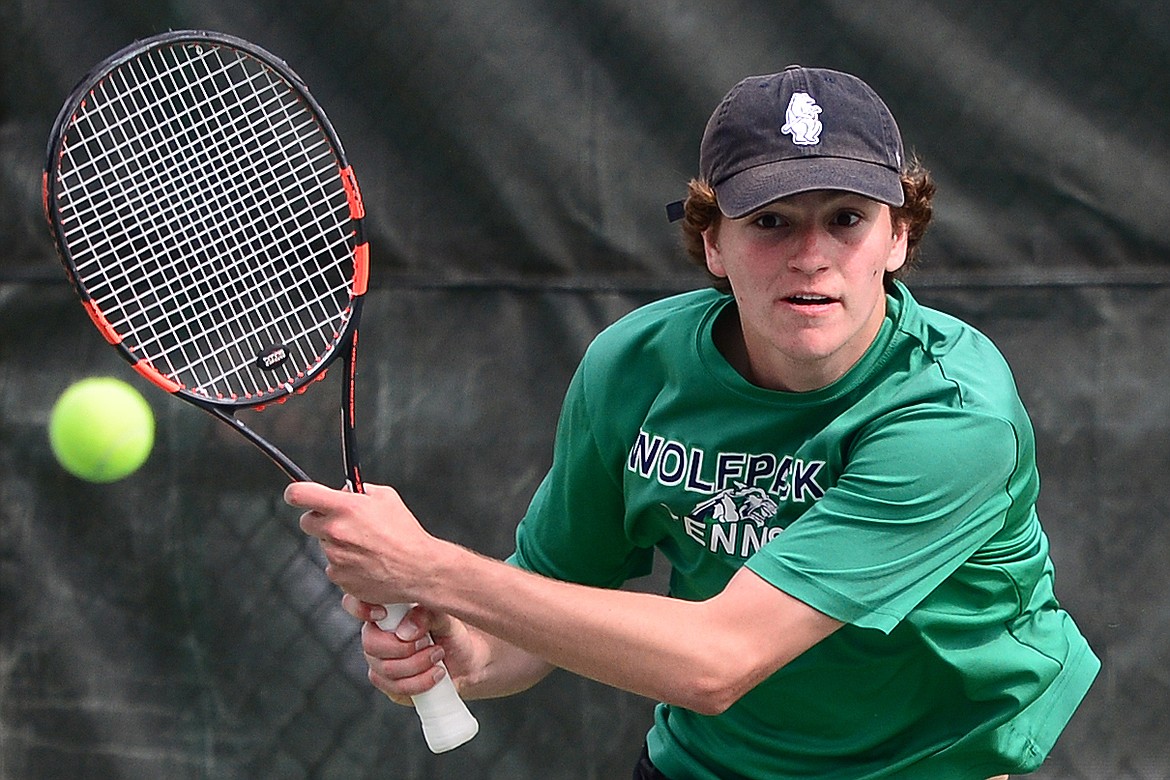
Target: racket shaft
[446,721]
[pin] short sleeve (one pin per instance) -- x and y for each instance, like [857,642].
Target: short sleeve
[575,529]
[921,491]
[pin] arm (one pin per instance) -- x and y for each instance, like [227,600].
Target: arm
[700,655]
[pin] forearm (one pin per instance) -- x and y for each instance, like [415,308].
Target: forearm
[695,654]
[503,669]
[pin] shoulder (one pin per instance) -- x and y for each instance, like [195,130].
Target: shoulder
[676,314]
[960,357]
[633,363]
[955,404]
[665,330]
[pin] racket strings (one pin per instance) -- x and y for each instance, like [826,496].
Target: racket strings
[260,209]
[254,288]
[207,219]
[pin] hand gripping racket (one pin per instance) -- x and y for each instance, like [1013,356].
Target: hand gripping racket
[205,212]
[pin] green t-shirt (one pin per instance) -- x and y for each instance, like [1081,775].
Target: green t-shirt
[900,500]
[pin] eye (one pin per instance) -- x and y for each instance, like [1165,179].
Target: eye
[846,218]
[769,220]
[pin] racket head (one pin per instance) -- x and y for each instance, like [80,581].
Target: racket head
[205,211]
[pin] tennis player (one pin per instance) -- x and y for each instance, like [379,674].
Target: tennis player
[843,481]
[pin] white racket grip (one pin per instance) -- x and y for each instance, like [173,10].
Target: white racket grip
[446,721]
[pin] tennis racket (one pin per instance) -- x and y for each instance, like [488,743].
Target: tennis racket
[206,214]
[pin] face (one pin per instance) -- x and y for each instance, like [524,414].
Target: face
[807,274]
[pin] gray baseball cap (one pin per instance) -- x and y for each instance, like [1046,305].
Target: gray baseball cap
[798,130]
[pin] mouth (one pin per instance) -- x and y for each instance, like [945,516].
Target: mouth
[809,300]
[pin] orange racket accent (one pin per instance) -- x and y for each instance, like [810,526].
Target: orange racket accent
[99,319]
[361,269]
[350,401]
[357,209]
[45,196]
[153,376]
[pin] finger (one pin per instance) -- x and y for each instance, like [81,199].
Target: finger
[401,669]
[363,610]
[380,644]
[401,688]
[311,523]
[415,624]
[403,659]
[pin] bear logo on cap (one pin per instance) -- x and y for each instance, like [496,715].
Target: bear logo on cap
[800,119]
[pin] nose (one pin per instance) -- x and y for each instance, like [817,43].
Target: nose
[809,251]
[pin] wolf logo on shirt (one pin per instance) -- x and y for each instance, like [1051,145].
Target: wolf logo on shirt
[732,522]
[737,504]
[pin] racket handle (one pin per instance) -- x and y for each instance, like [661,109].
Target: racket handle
[446,721]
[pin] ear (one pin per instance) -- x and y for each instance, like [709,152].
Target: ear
[714,256]
[897,257]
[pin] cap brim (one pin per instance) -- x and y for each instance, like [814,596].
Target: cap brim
[756,187]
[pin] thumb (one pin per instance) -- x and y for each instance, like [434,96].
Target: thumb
[419,621]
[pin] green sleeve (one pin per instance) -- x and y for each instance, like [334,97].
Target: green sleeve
[575,528]
[918,495]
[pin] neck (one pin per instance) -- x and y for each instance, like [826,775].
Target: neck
[769,368]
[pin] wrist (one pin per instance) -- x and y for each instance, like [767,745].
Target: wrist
[439,574]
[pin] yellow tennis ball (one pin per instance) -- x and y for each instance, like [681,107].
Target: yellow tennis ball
[101,429]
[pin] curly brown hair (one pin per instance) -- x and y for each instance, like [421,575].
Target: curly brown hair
[701,211]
